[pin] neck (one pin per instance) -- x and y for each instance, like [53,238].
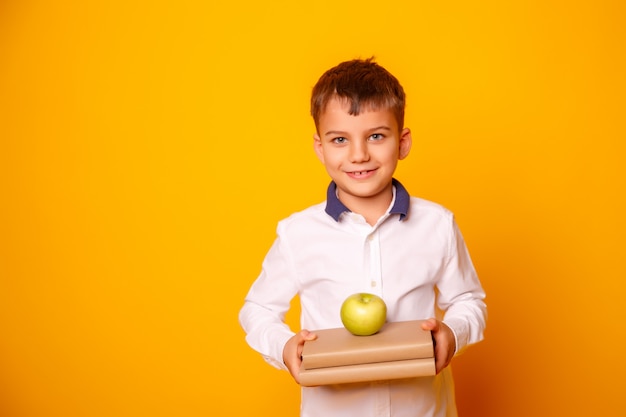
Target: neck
[372,208]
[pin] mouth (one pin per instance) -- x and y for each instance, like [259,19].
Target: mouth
[361,174]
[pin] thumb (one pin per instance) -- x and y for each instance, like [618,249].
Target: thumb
[430,324]
[308,335]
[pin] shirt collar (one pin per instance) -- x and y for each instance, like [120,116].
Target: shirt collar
[335,208]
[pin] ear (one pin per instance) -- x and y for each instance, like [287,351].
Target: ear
[317,147]
[405,143]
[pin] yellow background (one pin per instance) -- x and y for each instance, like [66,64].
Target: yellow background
[148,148]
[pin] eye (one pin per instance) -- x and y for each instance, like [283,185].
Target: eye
[377,136]
[339,140]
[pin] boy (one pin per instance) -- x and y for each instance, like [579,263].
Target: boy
[369,236]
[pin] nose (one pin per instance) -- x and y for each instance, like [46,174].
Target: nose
[359,152]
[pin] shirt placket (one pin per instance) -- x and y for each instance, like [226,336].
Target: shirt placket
[381,398]
[374,273]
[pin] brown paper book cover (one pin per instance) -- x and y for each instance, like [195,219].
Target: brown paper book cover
[396,341]
[410,368]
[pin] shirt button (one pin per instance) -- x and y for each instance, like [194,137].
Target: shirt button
[370,237]
[373,284]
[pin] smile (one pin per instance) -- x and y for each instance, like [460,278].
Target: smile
[360,174]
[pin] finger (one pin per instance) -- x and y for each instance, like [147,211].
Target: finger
[310,336]
[442,360]
[303,337]
[430,324]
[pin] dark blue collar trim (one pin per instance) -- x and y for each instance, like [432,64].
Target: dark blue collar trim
[335,208]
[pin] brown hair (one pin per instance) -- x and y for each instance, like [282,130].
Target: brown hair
[363,84]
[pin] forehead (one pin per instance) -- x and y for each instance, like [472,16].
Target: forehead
[336,117]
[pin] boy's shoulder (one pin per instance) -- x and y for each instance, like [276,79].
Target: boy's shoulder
[310,223]
[310,215]
[422,205]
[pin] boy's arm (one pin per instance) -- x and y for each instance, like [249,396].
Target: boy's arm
[264,333]
[461,295]
[263,313]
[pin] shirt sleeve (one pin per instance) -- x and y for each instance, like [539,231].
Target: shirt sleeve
[460,294]
[263,313]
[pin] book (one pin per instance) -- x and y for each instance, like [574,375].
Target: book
[395,341]
[398,350]
[409,368]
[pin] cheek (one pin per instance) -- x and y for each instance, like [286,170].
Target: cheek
[388,156]
[333,158]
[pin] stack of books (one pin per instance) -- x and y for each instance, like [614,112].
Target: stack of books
[398,350]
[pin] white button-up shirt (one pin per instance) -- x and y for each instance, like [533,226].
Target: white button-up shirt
[414,257]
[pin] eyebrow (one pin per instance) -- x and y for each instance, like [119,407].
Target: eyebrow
[339,132]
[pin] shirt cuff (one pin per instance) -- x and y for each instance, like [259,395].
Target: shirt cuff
[451,326]
[275,357]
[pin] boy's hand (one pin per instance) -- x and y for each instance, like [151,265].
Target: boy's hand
[445,344]
[292,352]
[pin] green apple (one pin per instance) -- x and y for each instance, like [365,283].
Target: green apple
[363,314]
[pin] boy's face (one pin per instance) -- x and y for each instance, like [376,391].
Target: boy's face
[360,152]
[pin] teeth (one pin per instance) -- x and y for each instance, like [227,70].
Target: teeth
[359,173]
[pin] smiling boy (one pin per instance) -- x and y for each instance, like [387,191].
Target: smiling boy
[369,236]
